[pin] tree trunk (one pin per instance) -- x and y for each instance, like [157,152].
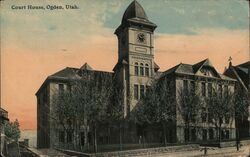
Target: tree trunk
[120,134]
[237,137]
[164,133]
[95,139]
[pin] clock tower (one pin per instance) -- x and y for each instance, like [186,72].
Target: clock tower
[136,68]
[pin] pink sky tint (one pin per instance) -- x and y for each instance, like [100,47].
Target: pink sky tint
[24,70]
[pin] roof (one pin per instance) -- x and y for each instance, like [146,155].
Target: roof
[134,10]
[86,66]
[240,72]
[70,73]
[135,15]
[189,69]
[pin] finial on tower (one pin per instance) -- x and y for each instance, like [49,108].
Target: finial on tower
[230,61]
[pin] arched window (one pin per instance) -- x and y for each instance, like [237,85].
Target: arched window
[141,69]
[136,69]
[146,70]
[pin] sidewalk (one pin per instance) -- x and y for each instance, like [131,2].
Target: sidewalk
[217,152]
[47,152]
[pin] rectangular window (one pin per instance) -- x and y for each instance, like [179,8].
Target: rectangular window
[136,70]
[192,87]
[227,119]
[185,85]
[211,134]
[141,71]
[82,135]
[142,90]
[210,118]
[147,71]
[61,136]
[225,90]
[69,136]
[203,88]
[193,135]
[204,134]
[220,90]
[209,89]
[227,134]
[186,134]
[61,88]
[204,115]
[136,92]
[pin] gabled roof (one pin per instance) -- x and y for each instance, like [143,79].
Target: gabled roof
[244,65]
[86,66]
[189,69]
[66,72]
[240,72]
[70,73]
[198,66]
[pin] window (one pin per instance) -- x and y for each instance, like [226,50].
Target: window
[136,92]
[192,87]
[185,85]
[203,88]
[147,70]
[220,90]
[227,119]
[186,134]
[142,90]
[82,134]
[204,115]
[147,88]
[193,134]
[226,90]
[211,134]
[61,88]
[210,118]
[227,134]
[204,134]
[61,136]
[136,69]
[209,89]
[141,70]
[69,136]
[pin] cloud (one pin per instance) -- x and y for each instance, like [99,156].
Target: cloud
[216,44]
[47,31]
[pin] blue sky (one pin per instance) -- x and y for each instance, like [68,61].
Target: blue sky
[187,16]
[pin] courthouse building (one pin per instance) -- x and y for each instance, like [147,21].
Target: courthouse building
[135,71]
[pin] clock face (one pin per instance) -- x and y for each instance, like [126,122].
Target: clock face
[141,38]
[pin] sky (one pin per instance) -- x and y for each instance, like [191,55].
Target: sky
[38,43]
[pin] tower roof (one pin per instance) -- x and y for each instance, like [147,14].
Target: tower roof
[134,10]
[86,66]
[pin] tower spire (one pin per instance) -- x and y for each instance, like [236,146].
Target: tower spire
[230,61]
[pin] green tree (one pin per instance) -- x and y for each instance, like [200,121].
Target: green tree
[12,130]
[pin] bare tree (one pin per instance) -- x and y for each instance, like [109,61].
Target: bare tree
[241,105]
[85,105]
[189,106]
[115,111]
[220,106]
[157,106]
